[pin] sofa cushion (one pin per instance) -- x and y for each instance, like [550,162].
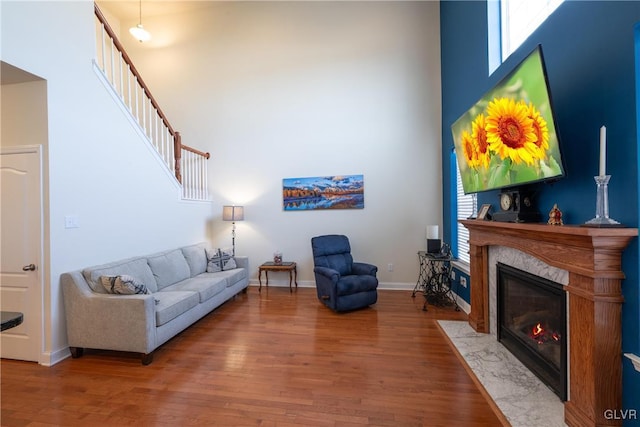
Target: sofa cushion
[207,285]
[231,276]
[134,267]
[196,257]
[123,285]
[170,305]
[169,268]
[348,285]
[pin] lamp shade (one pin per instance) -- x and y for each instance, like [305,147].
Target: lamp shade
[233,213]
[432,232]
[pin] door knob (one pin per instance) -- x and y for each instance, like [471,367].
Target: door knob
[30,267]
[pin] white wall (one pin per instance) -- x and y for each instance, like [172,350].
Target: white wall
[99,169]
[293,89]
[24,116]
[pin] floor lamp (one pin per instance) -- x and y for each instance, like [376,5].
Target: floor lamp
[233,214]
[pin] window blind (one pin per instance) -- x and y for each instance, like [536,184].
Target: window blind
[466,208]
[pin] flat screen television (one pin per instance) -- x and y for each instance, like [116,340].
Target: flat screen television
[509,138]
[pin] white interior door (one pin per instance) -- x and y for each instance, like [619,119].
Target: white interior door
[20,249]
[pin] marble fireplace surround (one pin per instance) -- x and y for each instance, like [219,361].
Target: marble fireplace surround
[587,261]
[518,259]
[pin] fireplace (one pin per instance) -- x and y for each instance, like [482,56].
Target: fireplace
[532,324]
[592,258]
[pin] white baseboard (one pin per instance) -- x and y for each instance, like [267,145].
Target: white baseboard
[464,306]
[51,358]
[396,286]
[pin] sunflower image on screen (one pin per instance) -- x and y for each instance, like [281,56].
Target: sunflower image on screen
[509,137]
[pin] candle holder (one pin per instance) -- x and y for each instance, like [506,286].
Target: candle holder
[602,205]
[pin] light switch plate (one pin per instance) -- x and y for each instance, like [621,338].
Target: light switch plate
[71,221]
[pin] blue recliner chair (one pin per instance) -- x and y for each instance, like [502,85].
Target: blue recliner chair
[342,285]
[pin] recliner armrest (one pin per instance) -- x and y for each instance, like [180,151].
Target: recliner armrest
[360,268]
[329,273]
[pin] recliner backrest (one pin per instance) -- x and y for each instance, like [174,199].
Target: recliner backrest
[332,251]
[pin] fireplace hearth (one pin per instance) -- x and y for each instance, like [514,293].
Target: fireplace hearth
[532,324]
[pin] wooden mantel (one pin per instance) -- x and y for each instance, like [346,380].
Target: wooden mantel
[593,258]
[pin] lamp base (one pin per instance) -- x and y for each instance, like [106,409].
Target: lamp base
[434,246]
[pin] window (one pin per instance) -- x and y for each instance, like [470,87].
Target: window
[466,207]
[518,19]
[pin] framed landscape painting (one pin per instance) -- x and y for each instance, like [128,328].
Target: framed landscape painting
[323,192]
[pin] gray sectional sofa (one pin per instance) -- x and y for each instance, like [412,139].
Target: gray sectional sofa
[180,292]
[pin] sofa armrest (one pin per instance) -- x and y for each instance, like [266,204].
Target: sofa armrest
[242,262]
[107,321]
[361,268]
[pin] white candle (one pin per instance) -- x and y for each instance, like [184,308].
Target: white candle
[603,151]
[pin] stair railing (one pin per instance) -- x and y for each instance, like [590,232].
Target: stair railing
[187,164]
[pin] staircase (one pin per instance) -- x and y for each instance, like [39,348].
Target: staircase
[188,165]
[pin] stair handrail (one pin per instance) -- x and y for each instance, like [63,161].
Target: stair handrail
[197,176]
[134,70]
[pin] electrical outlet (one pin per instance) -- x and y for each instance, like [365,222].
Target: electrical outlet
[389,267]
[463,282]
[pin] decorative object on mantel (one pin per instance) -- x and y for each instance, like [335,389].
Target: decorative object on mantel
[602,205]
[484,213]
[474,206]
[555,216]
[517,205]
[602,196]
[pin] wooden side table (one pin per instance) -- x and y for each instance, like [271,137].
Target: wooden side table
[272,266]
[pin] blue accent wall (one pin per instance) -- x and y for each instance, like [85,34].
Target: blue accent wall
[590,50]
[456,284]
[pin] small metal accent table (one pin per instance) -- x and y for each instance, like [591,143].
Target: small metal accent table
[272,266]
[434,280]
[10,319]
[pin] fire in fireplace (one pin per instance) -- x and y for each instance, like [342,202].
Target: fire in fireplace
[532,324]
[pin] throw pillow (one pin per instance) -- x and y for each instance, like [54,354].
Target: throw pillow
[123,285]
[226,259]
[213,260]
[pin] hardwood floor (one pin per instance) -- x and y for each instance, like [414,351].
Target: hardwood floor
[269,359]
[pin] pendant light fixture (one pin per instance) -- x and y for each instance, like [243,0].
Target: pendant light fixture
[138,31]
